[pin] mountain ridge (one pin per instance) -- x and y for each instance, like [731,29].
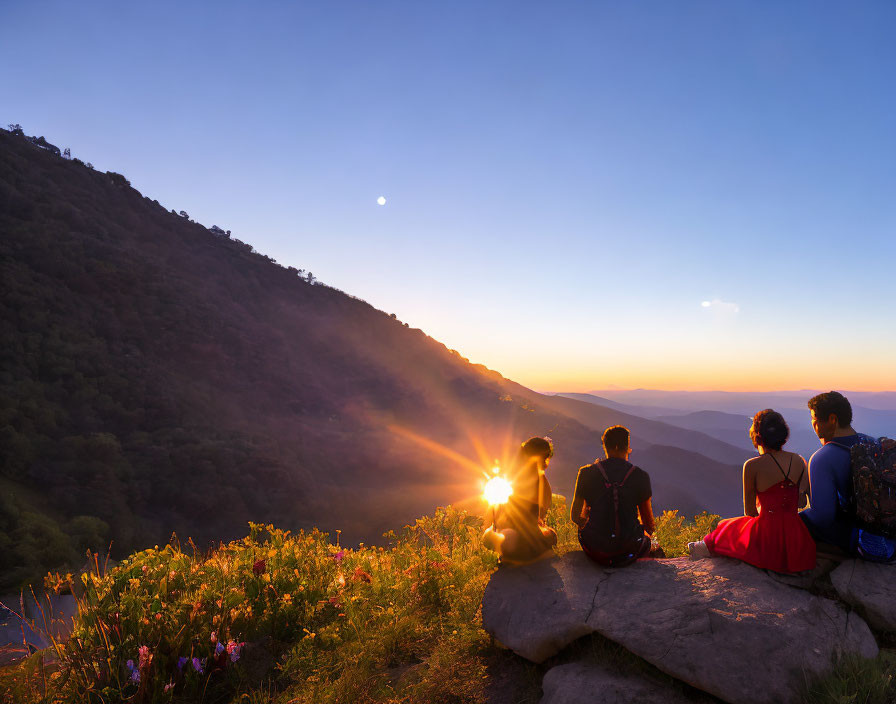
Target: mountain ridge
[161,376]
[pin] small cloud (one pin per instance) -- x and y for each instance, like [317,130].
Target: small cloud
[721,307]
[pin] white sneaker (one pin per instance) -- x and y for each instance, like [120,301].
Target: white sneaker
[698,550]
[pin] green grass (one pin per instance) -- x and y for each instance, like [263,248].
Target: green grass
[856,681]
[279,618]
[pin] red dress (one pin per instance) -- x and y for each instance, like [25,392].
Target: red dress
[776,539]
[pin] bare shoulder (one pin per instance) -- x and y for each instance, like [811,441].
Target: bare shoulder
[750,464]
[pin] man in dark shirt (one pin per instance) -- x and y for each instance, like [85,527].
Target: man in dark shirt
[610,496]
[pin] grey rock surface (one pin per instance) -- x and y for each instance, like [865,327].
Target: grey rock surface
[585,683]
[707,622]
[871,589]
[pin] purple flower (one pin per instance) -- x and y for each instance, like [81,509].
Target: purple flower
[181,662]
[135,672]
[233,650]
[219,648]
[198,665]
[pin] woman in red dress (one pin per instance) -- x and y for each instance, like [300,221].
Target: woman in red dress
[770,534]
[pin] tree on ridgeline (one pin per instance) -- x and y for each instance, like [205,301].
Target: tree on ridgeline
[67,153]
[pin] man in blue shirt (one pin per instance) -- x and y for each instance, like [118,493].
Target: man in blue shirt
[830,478]
[829,518]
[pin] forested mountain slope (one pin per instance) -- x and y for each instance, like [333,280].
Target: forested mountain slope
[158,376]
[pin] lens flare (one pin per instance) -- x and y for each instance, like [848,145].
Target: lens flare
[497,491]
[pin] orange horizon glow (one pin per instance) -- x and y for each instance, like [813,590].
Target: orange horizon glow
[858,379]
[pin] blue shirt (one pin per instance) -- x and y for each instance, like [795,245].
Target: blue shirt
[830,491]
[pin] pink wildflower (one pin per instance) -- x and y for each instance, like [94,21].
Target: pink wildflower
[145,656]
[214,637]
[169,687]
[339,555]
[258,568]
[233,650]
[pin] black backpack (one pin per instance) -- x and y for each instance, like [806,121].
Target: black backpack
[615,487]
[874,485]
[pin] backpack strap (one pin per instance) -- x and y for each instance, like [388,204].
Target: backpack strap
[615,486]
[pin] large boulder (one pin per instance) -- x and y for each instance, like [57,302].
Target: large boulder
[718,624]
[586,683]
[871,589]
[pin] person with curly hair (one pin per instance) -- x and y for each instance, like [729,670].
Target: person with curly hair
[770,534]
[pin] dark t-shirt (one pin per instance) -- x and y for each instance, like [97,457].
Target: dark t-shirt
[590,486]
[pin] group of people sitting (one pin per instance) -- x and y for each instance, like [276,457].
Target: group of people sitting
[791,508]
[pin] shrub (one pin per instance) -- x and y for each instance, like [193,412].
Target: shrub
[673,532]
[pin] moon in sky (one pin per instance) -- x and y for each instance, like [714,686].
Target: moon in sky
[381,200]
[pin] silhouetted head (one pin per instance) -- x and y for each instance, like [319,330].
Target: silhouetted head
[616,441]
[830,411]
[535,449]
[769,430]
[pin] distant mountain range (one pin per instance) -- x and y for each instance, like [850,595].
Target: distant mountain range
[726,415]
[157,376]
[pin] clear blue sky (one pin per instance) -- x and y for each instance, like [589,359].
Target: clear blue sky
[548,167]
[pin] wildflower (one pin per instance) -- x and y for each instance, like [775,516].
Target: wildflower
[287,599]
[145,569]
[233,650]
[219,648]
[339,555]
[169,687]
[214,637]
[145,656]
[135,672]
[258,568]
[181,662]
[199,665]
